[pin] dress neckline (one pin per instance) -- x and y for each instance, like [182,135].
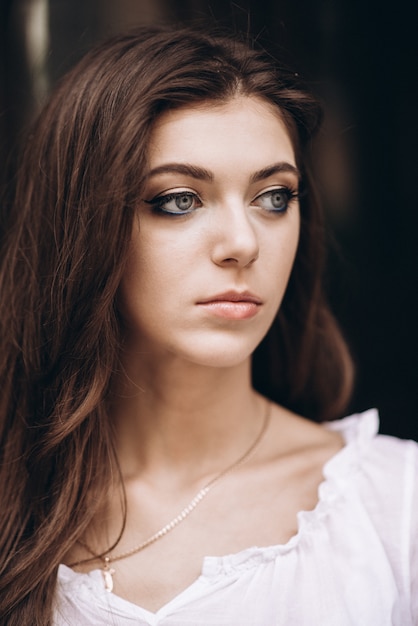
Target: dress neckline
[357,431]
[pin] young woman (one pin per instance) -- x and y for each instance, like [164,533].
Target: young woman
[163,330]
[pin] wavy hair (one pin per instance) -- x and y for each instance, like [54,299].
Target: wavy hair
[64,253]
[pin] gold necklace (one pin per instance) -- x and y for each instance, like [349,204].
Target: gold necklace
[108,571]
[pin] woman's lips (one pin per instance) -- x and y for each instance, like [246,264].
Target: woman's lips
[232,305]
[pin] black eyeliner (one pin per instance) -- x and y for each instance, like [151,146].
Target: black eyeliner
[160,200]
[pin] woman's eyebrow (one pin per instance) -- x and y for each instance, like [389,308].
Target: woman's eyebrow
[276,168]
[201,173]
[182,168]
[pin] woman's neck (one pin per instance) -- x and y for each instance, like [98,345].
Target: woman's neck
[176,418]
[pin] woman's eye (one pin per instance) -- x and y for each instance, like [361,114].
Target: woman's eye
[178,203]
[275,200]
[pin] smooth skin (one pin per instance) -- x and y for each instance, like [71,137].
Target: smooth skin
[219,214]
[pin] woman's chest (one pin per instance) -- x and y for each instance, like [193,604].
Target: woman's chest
[266,587]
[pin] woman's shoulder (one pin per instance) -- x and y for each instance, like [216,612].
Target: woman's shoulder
[379,473]
[355,442]
[380,457]
[359,463]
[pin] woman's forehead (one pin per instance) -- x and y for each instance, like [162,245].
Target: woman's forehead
[244,127]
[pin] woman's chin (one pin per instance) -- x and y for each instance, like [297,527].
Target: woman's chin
[218,354]
[205,349]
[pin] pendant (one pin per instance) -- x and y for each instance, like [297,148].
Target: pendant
[107,573]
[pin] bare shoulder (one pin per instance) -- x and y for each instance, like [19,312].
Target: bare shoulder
[293,436]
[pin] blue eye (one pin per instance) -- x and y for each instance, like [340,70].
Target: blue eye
[178,203]
[276,200]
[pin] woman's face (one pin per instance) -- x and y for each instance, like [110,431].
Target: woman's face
[216,235]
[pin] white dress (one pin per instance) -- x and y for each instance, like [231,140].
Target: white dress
[353,562]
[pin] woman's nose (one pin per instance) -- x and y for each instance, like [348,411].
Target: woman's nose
[236,241]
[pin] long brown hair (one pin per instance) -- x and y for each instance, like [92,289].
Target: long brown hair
[62,261]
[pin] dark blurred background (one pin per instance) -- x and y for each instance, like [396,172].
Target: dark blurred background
[360,58]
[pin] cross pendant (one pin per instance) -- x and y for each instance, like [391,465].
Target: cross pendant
[107,573]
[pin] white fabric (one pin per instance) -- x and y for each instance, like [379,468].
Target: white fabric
[353,562]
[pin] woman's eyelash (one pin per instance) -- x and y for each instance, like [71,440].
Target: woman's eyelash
[276,200]
[183,201]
